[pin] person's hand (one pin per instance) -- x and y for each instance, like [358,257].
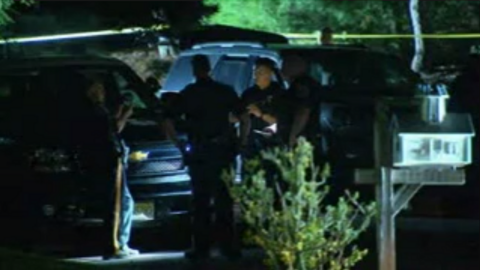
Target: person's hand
[124,112]
[127,112]
[268,132]
[272,129]
[254,110]
[233,119]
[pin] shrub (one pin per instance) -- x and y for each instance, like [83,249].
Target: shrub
[297,230]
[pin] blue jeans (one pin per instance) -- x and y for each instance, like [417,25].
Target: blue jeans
[118,210]
[126,212]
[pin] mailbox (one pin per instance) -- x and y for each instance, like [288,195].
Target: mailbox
[435,138]
[423,148]
[416,143]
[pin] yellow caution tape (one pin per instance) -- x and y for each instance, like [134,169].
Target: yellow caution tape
[288,35]
[384,36]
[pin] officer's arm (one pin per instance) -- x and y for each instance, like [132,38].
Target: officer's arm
[122,116]
[174,106]
[269,118]
[170,132]
[244,118]
[300,121]
[245,127]
[302,113]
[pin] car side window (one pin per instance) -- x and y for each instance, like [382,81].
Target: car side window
[180,74]
[126,89]
[321,74]
[234,71]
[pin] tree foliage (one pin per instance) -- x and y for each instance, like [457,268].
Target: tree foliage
[362,17]
[50,17]
[303,232]
[350,16]
[6,7]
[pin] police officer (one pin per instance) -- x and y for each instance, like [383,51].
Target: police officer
[105,160]
[258,102]
[206,106]
[300,115]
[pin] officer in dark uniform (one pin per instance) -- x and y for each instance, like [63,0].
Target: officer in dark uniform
[258,102]
[206,106]
[300,113]
[104,161]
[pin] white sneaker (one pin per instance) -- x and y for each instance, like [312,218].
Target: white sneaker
[130,251]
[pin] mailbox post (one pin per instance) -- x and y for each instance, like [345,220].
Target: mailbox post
[413,150]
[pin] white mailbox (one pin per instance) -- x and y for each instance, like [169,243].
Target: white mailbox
[448,143]
[412,151]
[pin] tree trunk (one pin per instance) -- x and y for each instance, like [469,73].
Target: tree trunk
[417,62]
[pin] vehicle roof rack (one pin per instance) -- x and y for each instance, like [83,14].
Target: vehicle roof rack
[227,45]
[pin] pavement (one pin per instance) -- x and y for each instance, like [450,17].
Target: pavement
[423,244]
[252,259]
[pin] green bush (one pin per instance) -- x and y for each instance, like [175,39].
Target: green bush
[298,231]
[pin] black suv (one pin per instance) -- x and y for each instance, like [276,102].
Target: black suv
[40,176]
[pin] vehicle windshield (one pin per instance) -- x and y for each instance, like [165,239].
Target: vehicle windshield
[49,81]
[351,70]
[180,74]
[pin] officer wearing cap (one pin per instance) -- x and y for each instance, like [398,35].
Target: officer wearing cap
[207,106]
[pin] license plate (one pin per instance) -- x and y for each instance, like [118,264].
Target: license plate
[144,210]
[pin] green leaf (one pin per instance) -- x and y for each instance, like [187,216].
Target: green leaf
[311,232]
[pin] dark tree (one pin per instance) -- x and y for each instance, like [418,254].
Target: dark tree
[48,17]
